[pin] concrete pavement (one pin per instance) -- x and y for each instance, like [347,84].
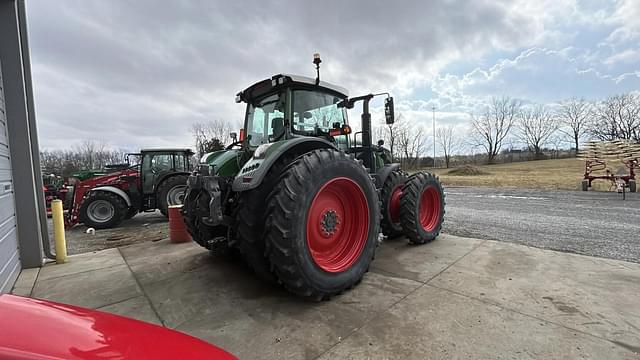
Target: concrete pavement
[454,298]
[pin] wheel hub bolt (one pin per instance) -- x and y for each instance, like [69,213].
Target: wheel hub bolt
[330,222]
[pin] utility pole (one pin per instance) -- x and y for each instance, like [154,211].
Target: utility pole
[434,135]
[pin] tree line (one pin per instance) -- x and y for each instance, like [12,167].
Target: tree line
[505,123]
[572,120]
[89,155]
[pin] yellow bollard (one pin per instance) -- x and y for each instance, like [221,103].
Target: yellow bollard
[58,231]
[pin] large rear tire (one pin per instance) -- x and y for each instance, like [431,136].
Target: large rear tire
[390,196]
[102,210]
[250,216]
[322,224]
[422,208]
[632,186]
[171,192]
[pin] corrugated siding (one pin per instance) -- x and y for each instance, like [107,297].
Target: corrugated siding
[9,256]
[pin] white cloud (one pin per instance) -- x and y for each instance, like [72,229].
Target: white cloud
[536,74]
[626,20]
[139,74]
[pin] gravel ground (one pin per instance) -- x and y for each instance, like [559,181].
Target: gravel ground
[151,226]
[590,223]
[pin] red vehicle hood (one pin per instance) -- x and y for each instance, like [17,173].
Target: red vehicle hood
[39,329]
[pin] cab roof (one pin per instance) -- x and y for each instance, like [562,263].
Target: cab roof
[266,86]
[168,150]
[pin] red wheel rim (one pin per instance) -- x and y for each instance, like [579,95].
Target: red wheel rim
[337,224]
[430,208]
[394,204]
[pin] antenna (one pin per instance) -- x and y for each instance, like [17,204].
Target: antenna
[317,61]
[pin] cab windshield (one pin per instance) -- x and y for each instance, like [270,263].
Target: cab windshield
[265,120]
[316,113]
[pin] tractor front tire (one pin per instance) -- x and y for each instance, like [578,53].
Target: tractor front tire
[213,238]
[171,192]
[102,210]
[632,186]
[322,224]
[390,196]
[422,208]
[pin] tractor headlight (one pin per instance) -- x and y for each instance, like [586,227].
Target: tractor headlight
[261,151]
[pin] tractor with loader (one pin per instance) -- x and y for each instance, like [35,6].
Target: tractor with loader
[300,196]
[157,181]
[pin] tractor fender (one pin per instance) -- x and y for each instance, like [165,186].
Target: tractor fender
[383,173]
[255,170]
[116,191]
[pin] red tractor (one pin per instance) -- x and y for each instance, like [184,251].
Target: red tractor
[54,187]
[159,180]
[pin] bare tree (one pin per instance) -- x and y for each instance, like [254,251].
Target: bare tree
[491,128]
[89,155]
[204,132]
[617,117]
[536,124]
[410,143]
[90,152]
[574,114]
[448,141]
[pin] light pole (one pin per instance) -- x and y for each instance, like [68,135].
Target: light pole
[434,135]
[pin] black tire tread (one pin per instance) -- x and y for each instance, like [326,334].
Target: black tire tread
[119,205]
[200,232]
[408,207]
[279,237]
[163,189]
[250,216]
[387,226]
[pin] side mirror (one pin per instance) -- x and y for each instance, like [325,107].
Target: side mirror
[233,136]
[388,110]
[380,142]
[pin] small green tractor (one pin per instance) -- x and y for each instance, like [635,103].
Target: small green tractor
[300,197]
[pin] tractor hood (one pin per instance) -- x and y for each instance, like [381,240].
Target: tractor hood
[226,162]
[39,329]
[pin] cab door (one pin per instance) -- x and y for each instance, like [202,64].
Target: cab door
[154,167]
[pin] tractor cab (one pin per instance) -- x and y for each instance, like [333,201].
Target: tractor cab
[157,164]
[287,106]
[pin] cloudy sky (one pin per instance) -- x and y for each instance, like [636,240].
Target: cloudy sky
[136,74]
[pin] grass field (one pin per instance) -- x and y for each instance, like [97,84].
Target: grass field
[563,174]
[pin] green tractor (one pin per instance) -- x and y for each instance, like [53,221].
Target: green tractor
[300,197]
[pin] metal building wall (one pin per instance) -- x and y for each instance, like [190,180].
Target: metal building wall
[9,254]
[21,157]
